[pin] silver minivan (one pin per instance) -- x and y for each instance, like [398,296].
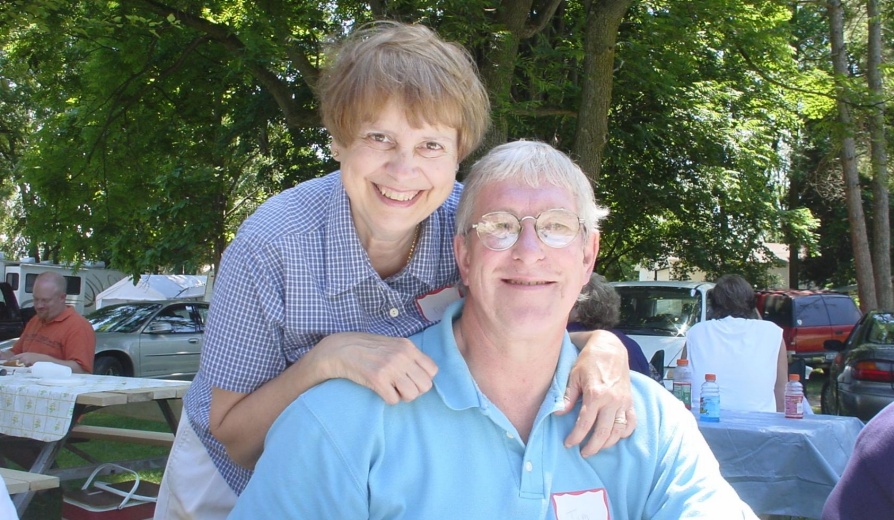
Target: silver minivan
[657,315]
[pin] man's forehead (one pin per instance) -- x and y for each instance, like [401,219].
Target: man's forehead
[512,194]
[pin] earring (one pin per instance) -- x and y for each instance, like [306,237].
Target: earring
[335,153]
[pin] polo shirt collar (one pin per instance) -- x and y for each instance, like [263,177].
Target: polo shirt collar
[454,382]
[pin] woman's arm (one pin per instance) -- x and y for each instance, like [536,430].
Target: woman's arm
[781,378]
[601,376]
[392,367]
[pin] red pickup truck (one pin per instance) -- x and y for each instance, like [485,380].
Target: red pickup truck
[808,319]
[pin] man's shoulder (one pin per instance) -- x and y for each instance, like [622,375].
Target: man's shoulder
[72,316]
[356,404]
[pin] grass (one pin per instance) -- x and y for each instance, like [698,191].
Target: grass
[47,505]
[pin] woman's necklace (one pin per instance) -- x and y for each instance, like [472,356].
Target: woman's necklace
[413,245]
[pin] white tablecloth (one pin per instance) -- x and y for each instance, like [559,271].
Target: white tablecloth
[42,409]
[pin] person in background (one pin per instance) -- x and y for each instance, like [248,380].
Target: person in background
[56,333]
[599,308]
[746,354]
[327,279]
[866,488]
[487,442]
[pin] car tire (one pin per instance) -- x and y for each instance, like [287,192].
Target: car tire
[107,366]
[828,401]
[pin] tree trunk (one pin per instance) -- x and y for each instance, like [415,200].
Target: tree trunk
[603,20]
[881,229]
[498,67]
[855,217]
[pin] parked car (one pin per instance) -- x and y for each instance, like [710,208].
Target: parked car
[658,314]
[808,319]
[861,376]
[149,339]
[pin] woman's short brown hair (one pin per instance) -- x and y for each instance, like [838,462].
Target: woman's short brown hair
[437,83]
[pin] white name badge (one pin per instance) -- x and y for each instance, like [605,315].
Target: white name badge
[581,505]
[433,304]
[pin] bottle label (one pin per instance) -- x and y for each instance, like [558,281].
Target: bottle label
[683,392]
[794,406]
[709,409]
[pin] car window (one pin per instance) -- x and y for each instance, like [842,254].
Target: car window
[778,309]
[123,318]
[881,329]
[810,311]
[842,311]
[668,311]
[179,317]
[202,312]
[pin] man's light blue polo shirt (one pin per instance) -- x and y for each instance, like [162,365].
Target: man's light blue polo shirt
[340,452]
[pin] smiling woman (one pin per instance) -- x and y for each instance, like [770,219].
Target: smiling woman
[328,278]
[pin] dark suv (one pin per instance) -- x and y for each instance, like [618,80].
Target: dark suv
[808,319]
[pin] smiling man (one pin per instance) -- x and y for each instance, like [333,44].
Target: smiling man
[488,442]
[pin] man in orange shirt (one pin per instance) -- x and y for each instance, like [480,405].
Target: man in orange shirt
[56,333]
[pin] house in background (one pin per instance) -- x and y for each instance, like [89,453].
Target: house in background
[778,273]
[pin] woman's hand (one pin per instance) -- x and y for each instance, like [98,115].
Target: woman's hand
[391,367]
[601,376]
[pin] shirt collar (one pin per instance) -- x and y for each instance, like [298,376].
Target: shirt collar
[348,263]
[454,382]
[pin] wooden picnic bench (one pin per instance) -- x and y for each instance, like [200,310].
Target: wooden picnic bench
[25,481]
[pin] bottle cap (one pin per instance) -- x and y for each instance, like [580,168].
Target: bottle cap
[794,377]
[682,362]
[710,377]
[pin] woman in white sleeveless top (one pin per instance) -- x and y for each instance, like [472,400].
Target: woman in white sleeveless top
[746,353]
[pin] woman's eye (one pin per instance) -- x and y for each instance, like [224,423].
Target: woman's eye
[379,141]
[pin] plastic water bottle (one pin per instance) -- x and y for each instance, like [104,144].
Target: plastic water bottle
[794,397]
[683,382]
[709,407]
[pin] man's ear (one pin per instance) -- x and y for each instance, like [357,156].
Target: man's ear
[461,252]
[591,251]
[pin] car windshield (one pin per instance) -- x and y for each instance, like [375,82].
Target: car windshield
[125,317]
[658,311]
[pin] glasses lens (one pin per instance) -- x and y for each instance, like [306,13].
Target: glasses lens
[557,227]
[498,230]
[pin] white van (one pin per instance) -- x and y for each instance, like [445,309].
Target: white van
[82,285]
[657,315]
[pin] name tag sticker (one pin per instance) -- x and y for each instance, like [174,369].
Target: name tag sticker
[581,505]
[433,304]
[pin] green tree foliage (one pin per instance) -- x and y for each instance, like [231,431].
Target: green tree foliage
[148,130]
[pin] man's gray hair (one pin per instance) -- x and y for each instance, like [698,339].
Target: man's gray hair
[535,164]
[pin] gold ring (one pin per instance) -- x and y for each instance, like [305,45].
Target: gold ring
[620,420]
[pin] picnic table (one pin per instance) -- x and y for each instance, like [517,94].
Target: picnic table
[782,466]
[47,411]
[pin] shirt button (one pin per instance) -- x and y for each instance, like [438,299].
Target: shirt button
[509,434]
[394,312]
[529,467]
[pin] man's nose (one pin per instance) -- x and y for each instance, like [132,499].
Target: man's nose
[528,246]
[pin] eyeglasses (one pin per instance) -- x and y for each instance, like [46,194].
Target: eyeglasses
[556,228]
